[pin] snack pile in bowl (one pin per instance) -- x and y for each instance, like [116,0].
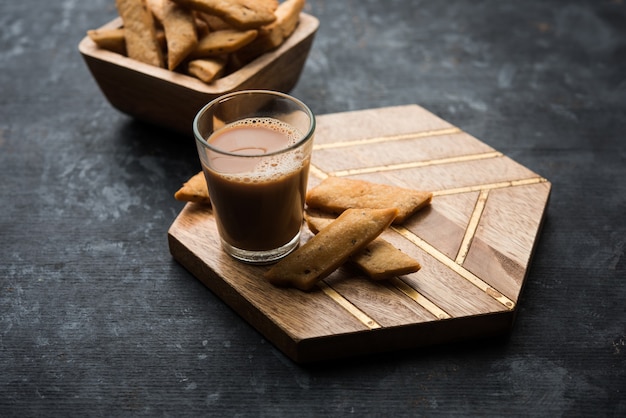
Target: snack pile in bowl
[202,38]
[162,60]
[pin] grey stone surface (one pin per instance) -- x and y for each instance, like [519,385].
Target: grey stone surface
[96,319]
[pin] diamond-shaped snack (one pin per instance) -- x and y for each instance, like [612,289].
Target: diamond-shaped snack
[330,248]
[380,260]
[243,14]
[194,190]
[139,32]
[336,194]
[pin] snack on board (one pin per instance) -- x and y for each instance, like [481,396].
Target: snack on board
[194,190]
[336,194]
[180,30]
[379,259]
[330,248]
[173,33]
[140,32]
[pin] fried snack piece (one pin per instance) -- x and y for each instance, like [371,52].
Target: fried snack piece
[202,27]
[160,36]
[335,194]
[139,32]
[242,14]
[207,69]
[113,39]
[214,22]
[330,248]
[109,39]
[156,7]
[273,35]
[379,259]
[287,17]
[180,31]
[194,190]
[222,42]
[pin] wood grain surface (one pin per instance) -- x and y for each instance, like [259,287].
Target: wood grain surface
[474,242]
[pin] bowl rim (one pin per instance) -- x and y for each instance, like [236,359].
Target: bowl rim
[307,26]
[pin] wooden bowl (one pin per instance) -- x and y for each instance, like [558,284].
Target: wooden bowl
[171,99]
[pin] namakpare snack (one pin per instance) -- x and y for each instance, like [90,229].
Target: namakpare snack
[140,32]
[342,243]
[194,190]
[380,260]
[206,39]
[336,194]
[179,27]
[242,14]
[330,248]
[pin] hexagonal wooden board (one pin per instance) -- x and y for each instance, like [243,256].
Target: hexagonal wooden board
[474,242]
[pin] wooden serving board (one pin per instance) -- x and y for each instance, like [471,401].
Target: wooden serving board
[474,242]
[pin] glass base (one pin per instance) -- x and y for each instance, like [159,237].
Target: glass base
[264,256]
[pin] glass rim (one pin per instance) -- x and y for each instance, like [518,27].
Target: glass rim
[200,138]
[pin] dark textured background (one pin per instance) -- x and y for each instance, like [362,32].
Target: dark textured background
[97,319]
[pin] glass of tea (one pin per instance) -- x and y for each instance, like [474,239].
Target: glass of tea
[255,149]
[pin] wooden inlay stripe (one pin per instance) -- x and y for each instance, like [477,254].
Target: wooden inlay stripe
[317,172]
[420,299]
[416,164]
[348,306]
[472,226]
[455,265]
[452,265]
[388,138]
[489,186]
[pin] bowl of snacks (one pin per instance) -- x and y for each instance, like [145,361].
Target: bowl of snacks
[160,61]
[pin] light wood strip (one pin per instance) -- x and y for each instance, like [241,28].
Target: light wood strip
[472,226]
[317,172]
[452,265]
[489,186]
[420,299]
[390,138]
[343,302]
[416,164]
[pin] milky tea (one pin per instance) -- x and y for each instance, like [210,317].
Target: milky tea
[255,149]
[258,202]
